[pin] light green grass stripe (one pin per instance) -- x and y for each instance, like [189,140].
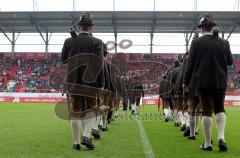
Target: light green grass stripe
[146,144]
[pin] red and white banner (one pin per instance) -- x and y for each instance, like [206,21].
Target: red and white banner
[31,100]
[56,97]
[230,100]
[31,97]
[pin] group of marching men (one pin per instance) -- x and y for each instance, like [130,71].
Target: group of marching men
[178,105]
[94,113]
[99,110]
[198,83]
[93,84]
[95,87]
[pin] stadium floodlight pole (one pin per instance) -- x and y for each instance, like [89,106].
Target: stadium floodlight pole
[74,5]
[237,5]
[151,43]
[114,5]
[114,29]
[195,5]
[187,41]
[115,42]
[154,5]
[153,29]
[35,5]
[46,43]
[13,41]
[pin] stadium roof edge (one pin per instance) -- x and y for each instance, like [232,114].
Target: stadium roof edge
[116,21]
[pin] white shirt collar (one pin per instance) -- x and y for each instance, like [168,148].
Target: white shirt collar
[84,32]
[207,33]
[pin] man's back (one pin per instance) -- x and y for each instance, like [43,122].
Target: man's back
[83,43]
[209,57]
[81,53]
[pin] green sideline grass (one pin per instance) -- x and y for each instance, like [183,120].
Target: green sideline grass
[34,131]
[168,142]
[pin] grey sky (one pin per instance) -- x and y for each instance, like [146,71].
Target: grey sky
[163,43]
[130,5]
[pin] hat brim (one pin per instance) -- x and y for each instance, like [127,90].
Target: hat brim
[84,24]
[211,24]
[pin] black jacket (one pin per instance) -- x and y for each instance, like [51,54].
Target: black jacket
[176,77]
[207,65]
[84,56]
[109,76]
[192,92]
[136,91]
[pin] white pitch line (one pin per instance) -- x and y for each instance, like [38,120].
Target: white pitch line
[146,144]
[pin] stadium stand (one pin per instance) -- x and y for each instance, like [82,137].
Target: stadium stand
[30,72]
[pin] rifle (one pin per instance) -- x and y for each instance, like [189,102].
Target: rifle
[73,32]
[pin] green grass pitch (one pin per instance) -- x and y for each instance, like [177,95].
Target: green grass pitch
[34,131]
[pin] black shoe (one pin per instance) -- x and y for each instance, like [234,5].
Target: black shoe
[177,124]
[132,112]
[222,145]
[96,134]
[105,129]
[88,143]
[100,127]
[183,128]
[191,137]
[76,146]
[209,148]
[109,121]
[187,132]
[166,119]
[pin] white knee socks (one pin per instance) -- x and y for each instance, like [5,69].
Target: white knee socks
[180,117]
[197,121]
[101,121]
[221,122]
[88,122]
[104,120]
[75,124]
[207,130]
[186,118]
[96,122]
[192,125]
[166,112]
[133,107]
[171,113]
[175,115]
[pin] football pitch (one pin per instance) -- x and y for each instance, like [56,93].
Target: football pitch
[34,131]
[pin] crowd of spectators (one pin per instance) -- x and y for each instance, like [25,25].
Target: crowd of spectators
[233,80]
[44,74]
[32,75]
